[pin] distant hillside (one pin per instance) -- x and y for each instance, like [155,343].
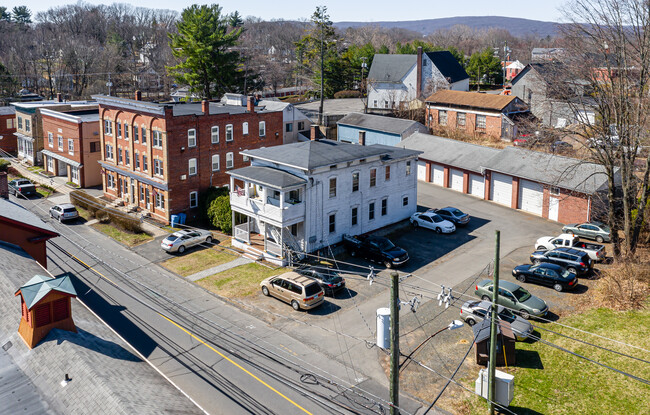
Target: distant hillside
[517,27]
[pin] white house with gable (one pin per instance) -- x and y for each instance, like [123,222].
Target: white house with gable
[301,197]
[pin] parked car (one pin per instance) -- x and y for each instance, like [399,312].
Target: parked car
[329,280]
[473,312]
[433,221]
[301,292]
[575,261]
[597,231]
[597,252]
[513,297]
[548,274]
[453,215]
[377,249]
[187,238]
[560,146]
[22,186]
[520,141]
[64,211]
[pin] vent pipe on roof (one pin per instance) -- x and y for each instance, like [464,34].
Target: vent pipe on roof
[362,138]
[250,104]
[205,107]
[138,95]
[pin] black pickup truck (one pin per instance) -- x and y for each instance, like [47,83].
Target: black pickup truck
[377,249]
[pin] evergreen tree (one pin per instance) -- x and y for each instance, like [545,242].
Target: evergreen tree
[484,66]
[22,15]
[5,16]
[203,44]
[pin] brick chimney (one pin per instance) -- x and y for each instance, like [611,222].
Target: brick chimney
[418,68]
[59,97]
[250,103]
[138,95]
[362,138]
[4,186]
[205,107]
[314,132]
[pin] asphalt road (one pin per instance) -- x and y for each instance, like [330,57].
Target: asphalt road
[225,360]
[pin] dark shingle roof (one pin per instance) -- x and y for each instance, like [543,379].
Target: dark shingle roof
[391,68]
[275,178]
[378,123]
[17,213]
[312,154]
[448,65]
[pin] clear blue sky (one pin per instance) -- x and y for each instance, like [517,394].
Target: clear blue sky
[349,10]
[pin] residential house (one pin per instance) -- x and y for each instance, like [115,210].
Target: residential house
[376,129]
[158,157]
[397,81]
[558,188]
[475,113]
[513,68]
[304,196]
[294,121]
[72,147]
[7,130]
[333,111]
[29,129]
[552,99]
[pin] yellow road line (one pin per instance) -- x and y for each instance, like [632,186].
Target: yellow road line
[236,365]
[93,269]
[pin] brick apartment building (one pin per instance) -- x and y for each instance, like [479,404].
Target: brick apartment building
[475,113]
[72,147]
[7,129]
[158,157]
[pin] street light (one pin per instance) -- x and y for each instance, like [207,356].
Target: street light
[456,324]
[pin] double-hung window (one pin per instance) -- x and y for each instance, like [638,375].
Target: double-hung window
[50,139]
[119,155]
[126,131]
[229,133]
[109,152]
[136,156]
[156,137]
[332,187]
[244,128]
[191,137]
[371,211]
[215,162]
[158,167]
[108,127]
[145,166]
[119,128]
[384,207]
[71,146]
[355,181]
[214,134]
[136,135]
[194,199]
[332,223]
[144,135]
[127,158]
[229,161]
[262,128]
[373,177]
[192,167]
[59,140]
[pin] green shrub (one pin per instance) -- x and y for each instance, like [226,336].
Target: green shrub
[205,200]
[347,94]
[4,165]
[220,214]
[99,209]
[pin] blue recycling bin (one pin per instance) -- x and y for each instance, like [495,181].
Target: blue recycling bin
[174,220]
[181,218]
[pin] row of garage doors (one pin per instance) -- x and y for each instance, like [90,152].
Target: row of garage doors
[530,197]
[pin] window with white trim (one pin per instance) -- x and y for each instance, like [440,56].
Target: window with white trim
[408,168]
[442,117]
[191,137]
[59,140]
[332,187]
[108,127]
[126,131]
[191,169]
[136,130]
[144,134]
[50,139]
[158,167]
[244,128]
[555,191]
[229,160]
[332,223]
[262,128]
[156,137]
[214,134]
[110,181]
[71,146]
[160,201]
[145,166]
[28,127]
[371,211]
[355,216]
[194,199]
[384,206]
[20,123]
[229,134]
[480,122]
[215,162]
[119,155]
[127,158]
[137,159]
[118,127]
[373,177]
[109,152]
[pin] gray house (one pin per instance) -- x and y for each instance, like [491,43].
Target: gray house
[376,129]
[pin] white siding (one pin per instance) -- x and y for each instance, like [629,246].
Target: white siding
[456,180]
[477,185]
[422,171]
[501,189]
[437,174]
[554,208]
[531,197]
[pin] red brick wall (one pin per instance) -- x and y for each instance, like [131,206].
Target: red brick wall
[8,142]
[574,208]
[492,123]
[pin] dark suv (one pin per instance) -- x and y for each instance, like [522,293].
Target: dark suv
[575,261]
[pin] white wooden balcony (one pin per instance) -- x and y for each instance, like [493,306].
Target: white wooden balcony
[275,210]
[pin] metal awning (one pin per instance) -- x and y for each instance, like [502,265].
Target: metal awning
[62,158]
[148,180]
[268,176]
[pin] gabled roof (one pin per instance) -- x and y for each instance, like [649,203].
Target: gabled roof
[564,172]
[451,152]
[379,123]
[471,99]
[312,154]
[7,110]
[40,285]
[547,71]
[448,65]
[18,215]
[390,68]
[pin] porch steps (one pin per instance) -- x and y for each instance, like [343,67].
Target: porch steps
[253,253]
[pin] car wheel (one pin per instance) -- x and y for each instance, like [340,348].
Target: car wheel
[415,224]
[265,291]
[295,305]
[486,298]
[570,232]
[353,253]
[181,249]
[438,230]
[572,270]
[208,239]
[524,314]
[388,264]
[521,278]
[600,239]
[470,322]
[537,262]
[61,219]
[51,215]
[557,287]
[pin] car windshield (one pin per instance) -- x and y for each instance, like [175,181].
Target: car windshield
[456,212]
[566,274]
[312,289]
[384,244]
[69,210]
[327,276]
[506,315]
[436,218]
[605,228]
[171,238]
[521,294]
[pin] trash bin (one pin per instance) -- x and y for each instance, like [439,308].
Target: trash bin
[174,220]
[181,218]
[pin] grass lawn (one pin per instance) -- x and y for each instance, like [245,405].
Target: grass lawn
[239,282]
[550,381]
[198,260]
[127,238]
[84,213]
[43,191]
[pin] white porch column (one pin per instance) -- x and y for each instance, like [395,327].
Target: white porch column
[232,184]
[247,190]
[282,194]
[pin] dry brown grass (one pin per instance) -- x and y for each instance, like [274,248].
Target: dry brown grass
[480,139]
[624,285]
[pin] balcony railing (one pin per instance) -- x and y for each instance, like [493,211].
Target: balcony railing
[273,248]
[268,210]
[242,232]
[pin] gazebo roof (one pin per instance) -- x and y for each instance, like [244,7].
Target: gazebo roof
[40,285]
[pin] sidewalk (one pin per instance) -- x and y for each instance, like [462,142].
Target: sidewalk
[219,268]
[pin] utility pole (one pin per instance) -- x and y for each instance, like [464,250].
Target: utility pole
[493,326]
[322,79]
[394,344]
[109,84]
[364,65]
[505,61]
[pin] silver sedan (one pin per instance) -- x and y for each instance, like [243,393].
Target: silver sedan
[181,240]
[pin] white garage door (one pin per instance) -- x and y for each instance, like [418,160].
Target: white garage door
[501,189]
[531,197]
[437,174]
[456,180]
[422,171]
[477,185]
